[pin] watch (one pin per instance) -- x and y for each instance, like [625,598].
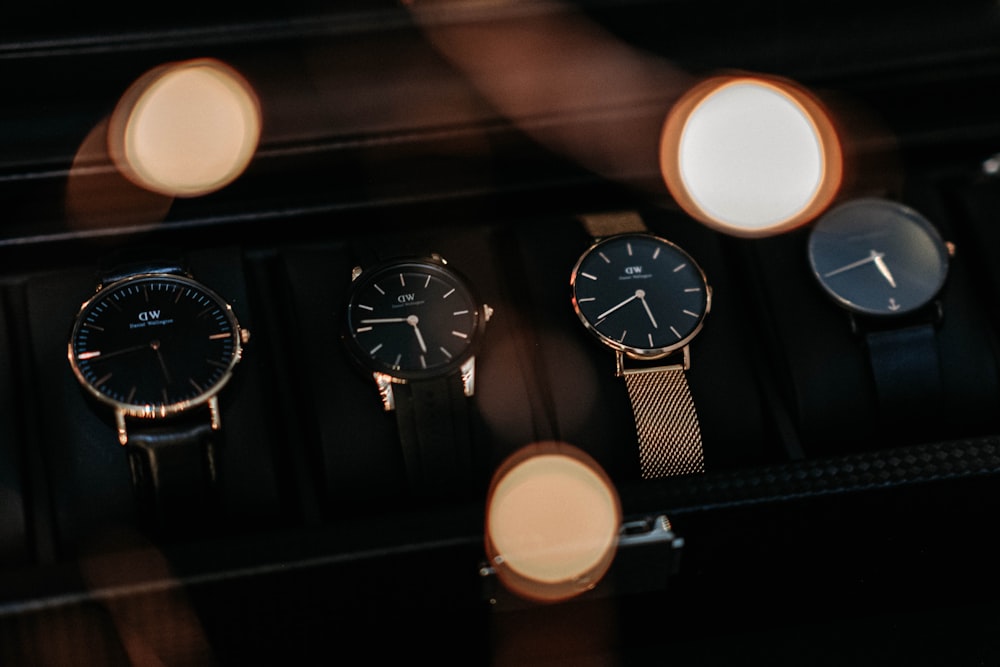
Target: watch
[885,264]
[415,324]
[157,347]
[646,299]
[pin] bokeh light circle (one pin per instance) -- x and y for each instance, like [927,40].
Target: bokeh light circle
[186,129]
[552,522]
[751,156]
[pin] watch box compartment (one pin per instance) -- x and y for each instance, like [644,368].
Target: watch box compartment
[827,377]
[84,475]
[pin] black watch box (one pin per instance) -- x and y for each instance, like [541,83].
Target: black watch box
[481,133]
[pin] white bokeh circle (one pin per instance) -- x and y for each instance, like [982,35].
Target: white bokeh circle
[185,129]
[552,522]
[750,156]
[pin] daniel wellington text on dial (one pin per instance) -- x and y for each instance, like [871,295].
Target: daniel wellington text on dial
[413,320]
[640,294]
[155,345]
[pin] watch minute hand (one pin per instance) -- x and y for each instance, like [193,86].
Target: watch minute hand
[847,267]
[108,355]
[383,320]
[614,308]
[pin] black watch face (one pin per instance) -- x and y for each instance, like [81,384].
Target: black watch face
[878,257]
[154,344]
[412,319]
[640,294]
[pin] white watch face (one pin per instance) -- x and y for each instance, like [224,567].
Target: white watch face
[878,257]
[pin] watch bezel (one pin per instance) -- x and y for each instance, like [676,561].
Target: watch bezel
[632,352]
[902,212]
[438,266]
[148,410]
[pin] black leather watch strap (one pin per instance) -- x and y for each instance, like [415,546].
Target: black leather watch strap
[174,474]
[433,415]
[117,266]
[906,367]
[173,463]
[434,432]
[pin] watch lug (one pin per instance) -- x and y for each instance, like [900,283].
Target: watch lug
[215,413]
[938,312]
[384,384]
[120,425]
[468,372]
[855,326]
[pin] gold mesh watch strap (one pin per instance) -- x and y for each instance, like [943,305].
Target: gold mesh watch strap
[665,417]
[666,423]
[607,224]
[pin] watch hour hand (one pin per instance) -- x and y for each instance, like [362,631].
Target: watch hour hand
[883,268]
[641,295]
[420,339]
[159,357]
[412,320]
